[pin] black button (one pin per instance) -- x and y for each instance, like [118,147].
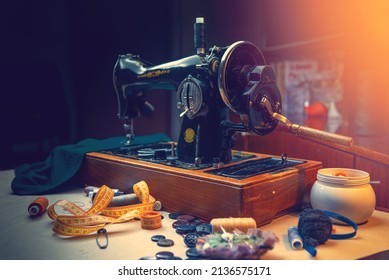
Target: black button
[187,218]
[157,237]
[164,255]
[148,258]
[192,253]
[182,229]
[177,223]
[196,222]
[174,215]
[204,229]
[165,242]
[190,239]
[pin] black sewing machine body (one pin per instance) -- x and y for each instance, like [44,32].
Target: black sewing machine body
[133,78]
[208,86]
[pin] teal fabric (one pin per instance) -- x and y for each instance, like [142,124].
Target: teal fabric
[63,163]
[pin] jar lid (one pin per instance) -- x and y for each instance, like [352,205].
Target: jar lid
[344,176]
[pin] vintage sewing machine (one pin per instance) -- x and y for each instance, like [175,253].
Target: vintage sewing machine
[201,174]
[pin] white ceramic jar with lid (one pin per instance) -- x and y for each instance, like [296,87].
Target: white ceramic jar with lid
[345,191]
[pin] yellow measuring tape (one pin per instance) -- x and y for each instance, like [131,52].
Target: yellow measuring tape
[81,222]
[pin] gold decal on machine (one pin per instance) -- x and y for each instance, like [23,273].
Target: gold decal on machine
[153,74]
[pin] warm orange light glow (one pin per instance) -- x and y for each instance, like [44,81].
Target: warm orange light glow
[359,30]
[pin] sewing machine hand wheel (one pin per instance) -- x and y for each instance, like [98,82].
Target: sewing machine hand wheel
[243,80]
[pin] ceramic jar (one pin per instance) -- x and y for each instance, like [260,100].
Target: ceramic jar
[345,191]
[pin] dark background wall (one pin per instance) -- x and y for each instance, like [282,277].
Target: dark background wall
[56,64]
[57,56]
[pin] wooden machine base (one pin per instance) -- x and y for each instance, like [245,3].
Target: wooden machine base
[207,196]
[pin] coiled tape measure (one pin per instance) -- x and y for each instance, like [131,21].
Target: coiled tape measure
[82,222]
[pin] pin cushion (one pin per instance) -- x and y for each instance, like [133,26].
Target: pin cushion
[236,245]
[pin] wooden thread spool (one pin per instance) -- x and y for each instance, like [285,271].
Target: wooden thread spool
[151,220]
[229,224]
[38,206]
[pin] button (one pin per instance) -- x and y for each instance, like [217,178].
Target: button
[177,223]
[157,205]
[183,229]
[157,237]
[200,221]
[165,242]
[190,239]
[187,218]
[174,216]
[196,222]
[192,253]
[164,255]
[148,258]
[204,229]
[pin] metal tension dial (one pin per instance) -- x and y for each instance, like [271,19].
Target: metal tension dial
[190,98]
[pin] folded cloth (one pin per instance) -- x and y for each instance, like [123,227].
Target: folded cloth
[63,163]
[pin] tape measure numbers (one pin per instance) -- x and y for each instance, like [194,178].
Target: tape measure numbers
[81,222]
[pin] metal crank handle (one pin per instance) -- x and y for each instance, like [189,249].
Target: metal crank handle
[306,131]
[321,135]
[313,133]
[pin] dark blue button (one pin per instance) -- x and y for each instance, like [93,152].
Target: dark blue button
[174,215]
[192,253]
[199,221]
[177,223]
[148,258]
[164,255]
[187,218]
[183,229]
[190,239]
[196,222]
[157,237]
[165,242]
[204,229]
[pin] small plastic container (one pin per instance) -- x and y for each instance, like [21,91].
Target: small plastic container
[345,191]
